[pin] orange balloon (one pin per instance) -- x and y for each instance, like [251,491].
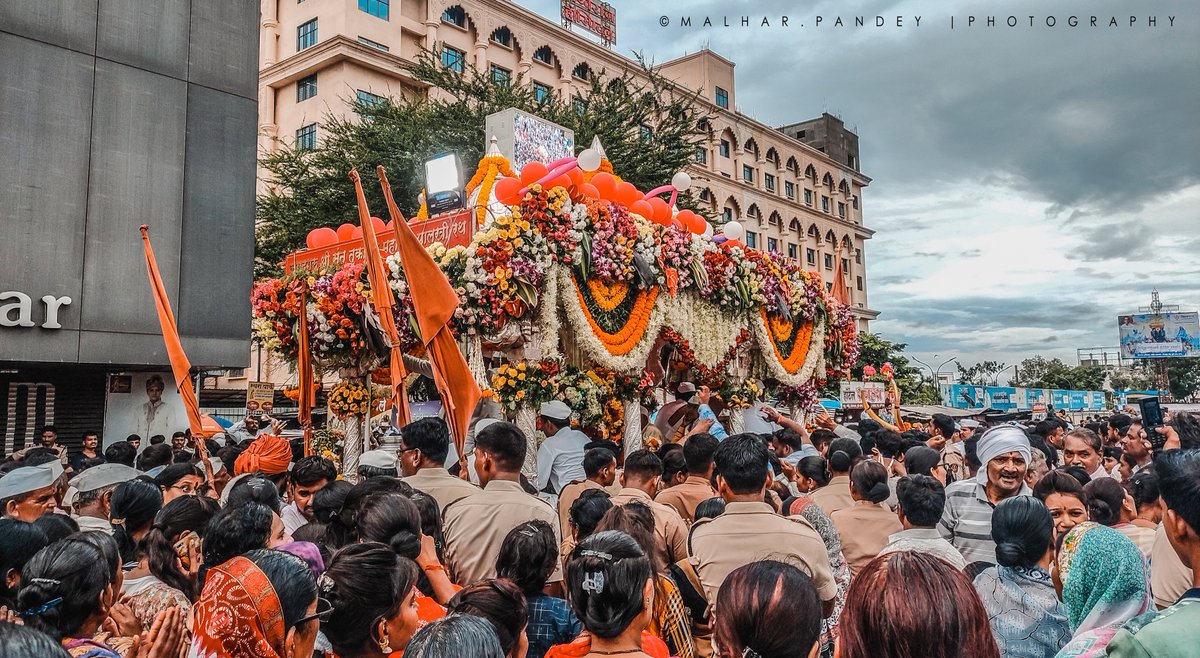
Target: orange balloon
[588,190]
[561,181]
[696,224]
[378,224]
[508,191]
[345,232]
[605,185]
[576,176]
[626,193]
[357,234]
[321,237]
[387,228]
[660,208]
[642,208]
[533,172]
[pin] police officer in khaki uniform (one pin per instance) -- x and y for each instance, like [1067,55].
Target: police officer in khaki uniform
[639,483]
[749,530]
[600,467]
[698,454]
[424,444]
[476,526]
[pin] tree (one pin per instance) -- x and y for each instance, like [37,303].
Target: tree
[984,373]
[649,127]
[914,388]
[1185,377]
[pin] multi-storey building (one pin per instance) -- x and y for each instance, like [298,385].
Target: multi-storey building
[796,189]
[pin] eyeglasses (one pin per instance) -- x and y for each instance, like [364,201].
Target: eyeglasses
[187,489]
[324,609]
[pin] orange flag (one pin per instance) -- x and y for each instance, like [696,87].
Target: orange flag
[382,300]
[434,303]
[304,369]
[840,291]
[179,361]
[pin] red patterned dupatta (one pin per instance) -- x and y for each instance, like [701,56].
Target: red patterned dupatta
[238,615]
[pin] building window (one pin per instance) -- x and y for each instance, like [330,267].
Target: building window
[727,215]
[582,72]
[374,44]
[793,251]
[858,257]
[846,265]
[543,55]
[789,189]
[724,148]
[541,92]
[306,137]
[841,209]
[772,245]
[858,283]
[751,239]
[801,134]
[748,173]
[367,99]
[306,35]
[702,156]
[645,134]
[306,88]
[852,161]
[453,59]
[455,16]
[501,76]
[824,203]
[810,256]
[769,181]
[722,98]
[829,261]
[502,36]
[376,8]
[854,202]
[808,196]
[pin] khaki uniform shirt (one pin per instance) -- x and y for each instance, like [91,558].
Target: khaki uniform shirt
[670,532]
[475,528]
[566,498]
[684,497]
[440,485]
[865,529]
[834,496]
[956,463]
[748,532]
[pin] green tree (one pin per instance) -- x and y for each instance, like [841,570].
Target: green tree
[1184,375]
[914,388]
[984,373]
[649,127]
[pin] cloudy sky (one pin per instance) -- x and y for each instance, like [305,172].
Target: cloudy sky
[1029,184]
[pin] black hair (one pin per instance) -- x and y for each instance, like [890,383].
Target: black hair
[157,439]
[1187,426]
[1143,486]
[176,472]
[19,541]
[814,468]
[56,526]
[1045,428]
[587,510]
[341,525]
[364,582]
[392,520]
[38,456]
[255,488]
[870,480]
[1023,531]
[455,635]
[431,520]
[308,471]
[132,509]
[1059,481]
[133,437]
[922,499]
[48,428]
[890,443]
[1179,483]
[528,555]
[327,502]
[21,642]
[1105,497]
[121,452]
[674,463]
[743,461]
[606,445]
[822,436]
[500,602]
[292,580]
[843,455]
[943,424]
[431,436]
[1081,476]
[698,452]
[710,508]
[368,472]
[642,465]
[65,570]
[606,578]
[921,460]
[107,546]
[595,460]
[768,608]
[228,456]
[184,514]
[789,437]
[236,531]
[505,443]
[155,455]
[971,452]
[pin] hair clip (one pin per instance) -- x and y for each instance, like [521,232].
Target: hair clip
[750,653]
[120,522]
[46,581]
[607,557]
[593,582]
[52,603]
[526,533]
[325,583]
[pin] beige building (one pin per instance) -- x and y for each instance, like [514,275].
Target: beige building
[797,189]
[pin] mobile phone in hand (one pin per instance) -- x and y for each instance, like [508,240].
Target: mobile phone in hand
[1152,419]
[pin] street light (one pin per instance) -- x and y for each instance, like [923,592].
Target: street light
[939,368]
[926,365]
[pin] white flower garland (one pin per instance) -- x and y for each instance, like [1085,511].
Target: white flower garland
[814,360]
[709,330]
[631,363]
[548,324]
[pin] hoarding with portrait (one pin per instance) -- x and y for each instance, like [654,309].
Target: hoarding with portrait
[1159,336]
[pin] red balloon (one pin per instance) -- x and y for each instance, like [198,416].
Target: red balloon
[508,191]
[660,208]
[357,235]
[696,224]
[576,176]
[605,185]
[378,224]
[533,172]
[642,208]
[321,237]
[387,228]
[626,194]
[588,190]
[345,232]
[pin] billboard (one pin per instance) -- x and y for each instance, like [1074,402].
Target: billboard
[143,403]
[599,18]
[1010,398]
[452,229]
[523,138]
[1159,336]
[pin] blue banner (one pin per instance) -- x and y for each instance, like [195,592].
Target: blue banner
[1008,398]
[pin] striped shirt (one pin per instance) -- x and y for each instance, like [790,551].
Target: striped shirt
[967,520]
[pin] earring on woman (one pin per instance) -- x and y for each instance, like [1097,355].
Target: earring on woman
[385,643]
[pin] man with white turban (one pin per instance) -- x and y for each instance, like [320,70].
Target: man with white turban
[967,518]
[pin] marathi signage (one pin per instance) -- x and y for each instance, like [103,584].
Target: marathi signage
[453,229]
[260,396]
[599,18]
[875,392]
[1161,336]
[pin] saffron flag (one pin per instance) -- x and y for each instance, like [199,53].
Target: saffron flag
[180,365]
[434,302]
[382,300]
[304,370]
[840,291]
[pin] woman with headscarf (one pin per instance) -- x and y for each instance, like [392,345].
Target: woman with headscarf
[1104,583]
[804,507]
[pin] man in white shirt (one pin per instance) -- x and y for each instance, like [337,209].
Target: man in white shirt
[921,502]
[246,429]
[308,476]
[560,458]
[156,416]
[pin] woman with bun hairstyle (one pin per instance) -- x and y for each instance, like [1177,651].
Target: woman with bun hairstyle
[371,592]
[395,521]
[1023,610]
[834,496]
[865,527]
[1143,490]
[169,559]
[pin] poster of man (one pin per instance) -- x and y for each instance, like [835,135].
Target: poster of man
[1165,335]
[151,406]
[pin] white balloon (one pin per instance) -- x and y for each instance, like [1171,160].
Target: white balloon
[681,181]
[734,231]
[421,198]
[588,160]
[708,230]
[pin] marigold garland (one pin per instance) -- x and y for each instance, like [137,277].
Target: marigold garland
[793,361]
[608,295]
[624,340]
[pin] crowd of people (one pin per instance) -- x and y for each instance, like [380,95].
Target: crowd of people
[951,539]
